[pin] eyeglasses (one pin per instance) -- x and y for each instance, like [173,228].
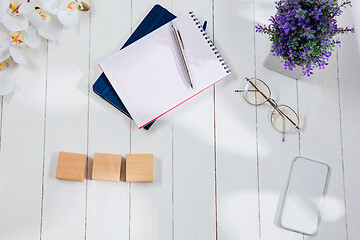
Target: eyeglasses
[283,118]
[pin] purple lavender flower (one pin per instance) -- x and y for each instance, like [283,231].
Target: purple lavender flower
[302,32]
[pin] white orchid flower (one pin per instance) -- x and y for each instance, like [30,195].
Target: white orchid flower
[11,15]
[66,11]
[11,47]
[51,6]
[42,23]
[69,16]
[7,80]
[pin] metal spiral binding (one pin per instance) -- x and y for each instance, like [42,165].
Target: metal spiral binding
[211,44]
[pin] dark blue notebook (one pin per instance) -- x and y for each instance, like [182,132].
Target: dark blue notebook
[157,17]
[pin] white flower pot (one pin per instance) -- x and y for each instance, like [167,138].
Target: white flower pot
[274,63]
[356,18]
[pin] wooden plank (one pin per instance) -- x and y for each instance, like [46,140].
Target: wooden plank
[349,72]
[274,156]
[66,130]
[151,203]
[320,140]
[109,129]
[236,168]
[193,151]
[22,147]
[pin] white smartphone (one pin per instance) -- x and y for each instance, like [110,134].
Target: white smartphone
[304,195]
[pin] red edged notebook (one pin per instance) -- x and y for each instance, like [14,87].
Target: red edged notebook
[149,77]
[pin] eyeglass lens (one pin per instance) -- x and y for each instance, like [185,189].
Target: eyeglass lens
[284,119]
[256,92]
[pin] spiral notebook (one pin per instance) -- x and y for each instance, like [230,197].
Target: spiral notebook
[149,77]
[157,17]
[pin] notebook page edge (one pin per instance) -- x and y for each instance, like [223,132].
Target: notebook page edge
[185,100]
[110,77]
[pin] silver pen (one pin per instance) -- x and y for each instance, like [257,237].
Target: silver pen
[180,46]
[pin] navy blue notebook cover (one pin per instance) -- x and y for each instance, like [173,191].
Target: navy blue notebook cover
[157,17]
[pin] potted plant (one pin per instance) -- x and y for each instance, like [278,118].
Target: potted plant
[302,32]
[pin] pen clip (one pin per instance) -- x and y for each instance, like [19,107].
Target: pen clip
[182,43]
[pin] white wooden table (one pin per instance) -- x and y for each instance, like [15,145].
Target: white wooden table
[219,166]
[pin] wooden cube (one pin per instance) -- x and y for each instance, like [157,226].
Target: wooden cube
[106,167]
[71,166]
[139,167]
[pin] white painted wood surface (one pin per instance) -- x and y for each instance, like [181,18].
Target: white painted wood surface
[107,212]
[236,148]
[219,167]
[66,129]
[349,72]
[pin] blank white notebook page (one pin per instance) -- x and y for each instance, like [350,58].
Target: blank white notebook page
[149,76]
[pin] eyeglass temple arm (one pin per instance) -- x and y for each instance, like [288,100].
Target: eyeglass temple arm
[272,103]
[283,138]
[241,90]
[282,113]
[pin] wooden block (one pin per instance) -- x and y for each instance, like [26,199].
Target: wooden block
[139,167]
[106,167]
[71,166]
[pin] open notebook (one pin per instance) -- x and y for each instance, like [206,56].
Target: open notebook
[149,77]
